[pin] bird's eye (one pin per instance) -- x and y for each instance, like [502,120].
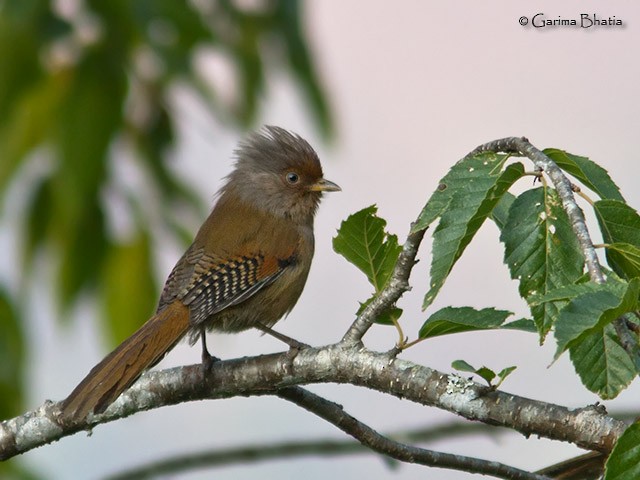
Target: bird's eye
[292,178]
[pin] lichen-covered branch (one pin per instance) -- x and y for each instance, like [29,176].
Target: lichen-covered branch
[589,428]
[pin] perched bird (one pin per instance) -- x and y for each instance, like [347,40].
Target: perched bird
[246,267]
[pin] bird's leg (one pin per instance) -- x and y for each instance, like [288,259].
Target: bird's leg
[292,342]
[207,359]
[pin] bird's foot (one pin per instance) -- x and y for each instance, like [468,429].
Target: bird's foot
[207,361]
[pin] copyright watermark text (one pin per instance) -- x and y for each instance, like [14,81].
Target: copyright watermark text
[584,20]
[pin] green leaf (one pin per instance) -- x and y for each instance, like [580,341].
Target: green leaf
[624,461]
[504,373]
[289,16]
[463,366]
[627,257]
[569,292]
[523,325]
[487,374]
[129,287]
[483,169]
[586,171]
[38,217]
[541,251]
[619,223]
[475,191]
[500,212]
[83,248]
[602,364]
[87,120]
[27,125]
[450,320]
[363,241]
[12,358]
[594,310]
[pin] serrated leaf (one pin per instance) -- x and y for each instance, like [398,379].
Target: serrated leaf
[586,171]
[541,251]
[363,241]
[602,364]
[470,204]
[450,320]
[593,311]
[500,212]
[619,223]
[523,325]
[129,287]
[624,461]
[569,292]
[464,174]
[487,374]
[627,257]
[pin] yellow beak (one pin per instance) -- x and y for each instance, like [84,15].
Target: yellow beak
[323,185]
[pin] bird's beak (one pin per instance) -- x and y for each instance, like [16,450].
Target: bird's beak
[323,185]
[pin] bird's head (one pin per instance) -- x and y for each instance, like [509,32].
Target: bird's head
[278,171]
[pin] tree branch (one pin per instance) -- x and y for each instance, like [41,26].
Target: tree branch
[588,428]
[335,415]
[295,449]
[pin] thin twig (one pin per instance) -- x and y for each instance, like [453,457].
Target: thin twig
[333,413]
[262,452]
[398,284]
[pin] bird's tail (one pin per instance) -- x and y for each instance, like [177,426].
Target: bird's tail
[118,370]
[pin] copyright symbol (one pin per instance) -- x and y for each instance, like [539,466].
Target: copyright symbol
[523,21]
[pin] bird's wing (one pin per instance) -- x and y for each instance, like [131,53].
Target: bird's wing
[216,283]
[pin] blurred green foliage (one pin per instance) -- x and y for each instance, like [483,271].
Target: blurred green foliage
[85,83]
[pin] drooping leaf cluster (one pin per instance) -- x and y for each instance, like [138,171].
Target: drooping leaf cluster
[543,254]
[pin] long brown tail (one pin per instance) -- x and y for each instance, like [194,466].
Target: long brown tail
[118,370]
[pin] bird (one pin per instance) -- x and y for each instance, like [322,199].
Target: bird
[246,268]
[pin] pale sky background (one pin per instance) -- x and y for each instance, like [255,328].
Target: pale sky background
[415,86]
